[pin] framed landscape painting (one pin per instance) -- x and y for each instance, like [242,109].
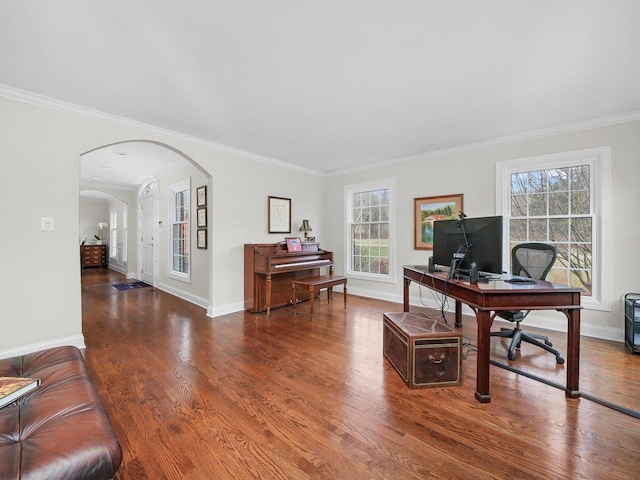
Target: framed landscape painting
[429,209]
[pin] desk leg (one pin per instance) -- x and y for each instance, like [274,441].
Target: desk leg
[484,353]
[407,282]
[573,353]
[344,294]
[458,313]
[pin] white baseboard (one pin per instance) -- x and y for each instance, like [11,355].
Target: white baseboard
[225,309]
[76,341]
[189,297]
[118,268]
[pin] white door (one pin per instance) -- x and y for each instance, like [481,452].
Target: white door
[148,235]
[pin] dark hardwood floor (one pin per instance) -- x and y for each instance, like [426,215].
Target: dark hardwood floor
[243,396]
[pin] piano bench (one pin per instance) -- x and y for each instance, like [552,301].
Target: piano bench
[315,284]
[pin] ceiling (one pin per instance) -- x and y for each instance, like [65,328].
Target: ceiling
[125,165]
[330,86]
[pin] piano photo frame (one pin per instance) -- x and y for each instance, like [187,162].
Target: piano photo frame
[293,244]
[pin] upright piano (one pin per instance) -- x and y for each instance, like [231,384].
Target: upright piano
[269,270]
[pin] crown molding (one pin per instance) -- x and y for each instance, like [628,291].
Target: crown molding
[69,108]
[72,109]
[506,140]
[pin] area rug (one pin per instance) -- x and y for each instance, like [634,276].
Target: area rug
[131,285]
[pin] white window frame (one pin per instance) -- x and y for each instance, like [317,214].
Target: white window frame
[174,188]
[125,233]
[349,190]
[599,160]
[113,234]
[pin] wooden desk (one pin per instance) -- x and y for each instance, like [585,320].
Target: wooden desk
[494,296]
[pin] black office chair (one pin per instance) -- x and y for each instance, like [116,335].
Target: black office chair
[533,260]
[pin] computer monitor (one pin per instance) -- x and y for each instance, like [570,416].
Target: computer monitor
[469,240]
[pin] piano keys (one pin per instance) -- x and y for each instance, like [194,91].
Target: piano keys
[269,270]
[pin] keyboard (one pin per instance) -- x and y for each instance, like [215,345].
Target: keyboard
[465,272]
[517,279]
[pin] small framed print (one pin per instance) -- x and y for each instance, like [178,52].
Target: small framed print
[202,217]
[279,215]
[311,239]
[202,238]
[293,244]
[201,196]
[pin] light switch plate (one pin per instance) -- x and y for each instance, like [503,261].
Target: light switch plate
[46,224]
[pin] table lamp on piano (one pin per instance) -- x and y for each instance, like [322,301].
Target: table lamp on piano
[309,244]
[305,228]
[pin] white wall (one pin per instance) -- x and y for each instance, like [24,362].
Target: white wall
[41,148]
[198,289]
[92,212]
[472,173]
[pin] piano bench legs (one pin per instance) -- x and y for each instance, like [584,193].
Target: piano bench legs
[315,284]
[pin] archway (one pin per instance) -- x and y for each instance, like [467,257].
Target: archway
[120,169]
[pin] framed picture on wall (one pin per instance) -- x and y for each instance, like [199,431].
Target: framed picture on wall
[201,196]
[202,238]
[279,215]
[429,209]
[202,217]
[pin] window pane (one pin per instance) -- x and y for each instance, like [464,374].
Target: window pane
[384,213]
[519,183]
[538,204]
[357,215]
[581,230]
[538,230]
[559,203]
[558,180]
[519,230]
[580,178]
[537,182]
[559,229]
[384,231]
[580,203]
[518,205]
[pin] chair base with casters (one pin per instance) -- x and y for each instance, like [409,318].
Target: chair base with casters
[533,260]
[519,336]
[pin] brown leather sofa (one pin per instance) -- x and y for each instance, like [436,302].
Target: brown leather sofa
[60,430]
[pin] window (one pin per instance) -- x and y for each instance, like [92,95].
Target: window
[125,232]
[113,234]
[369,217]
[180,220]
[562,199]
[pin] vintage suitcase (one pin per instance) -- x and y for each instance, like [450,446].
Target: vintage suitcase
[424,351]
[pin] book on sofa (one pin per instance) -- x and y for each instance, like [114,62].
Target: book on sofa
[12,388]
